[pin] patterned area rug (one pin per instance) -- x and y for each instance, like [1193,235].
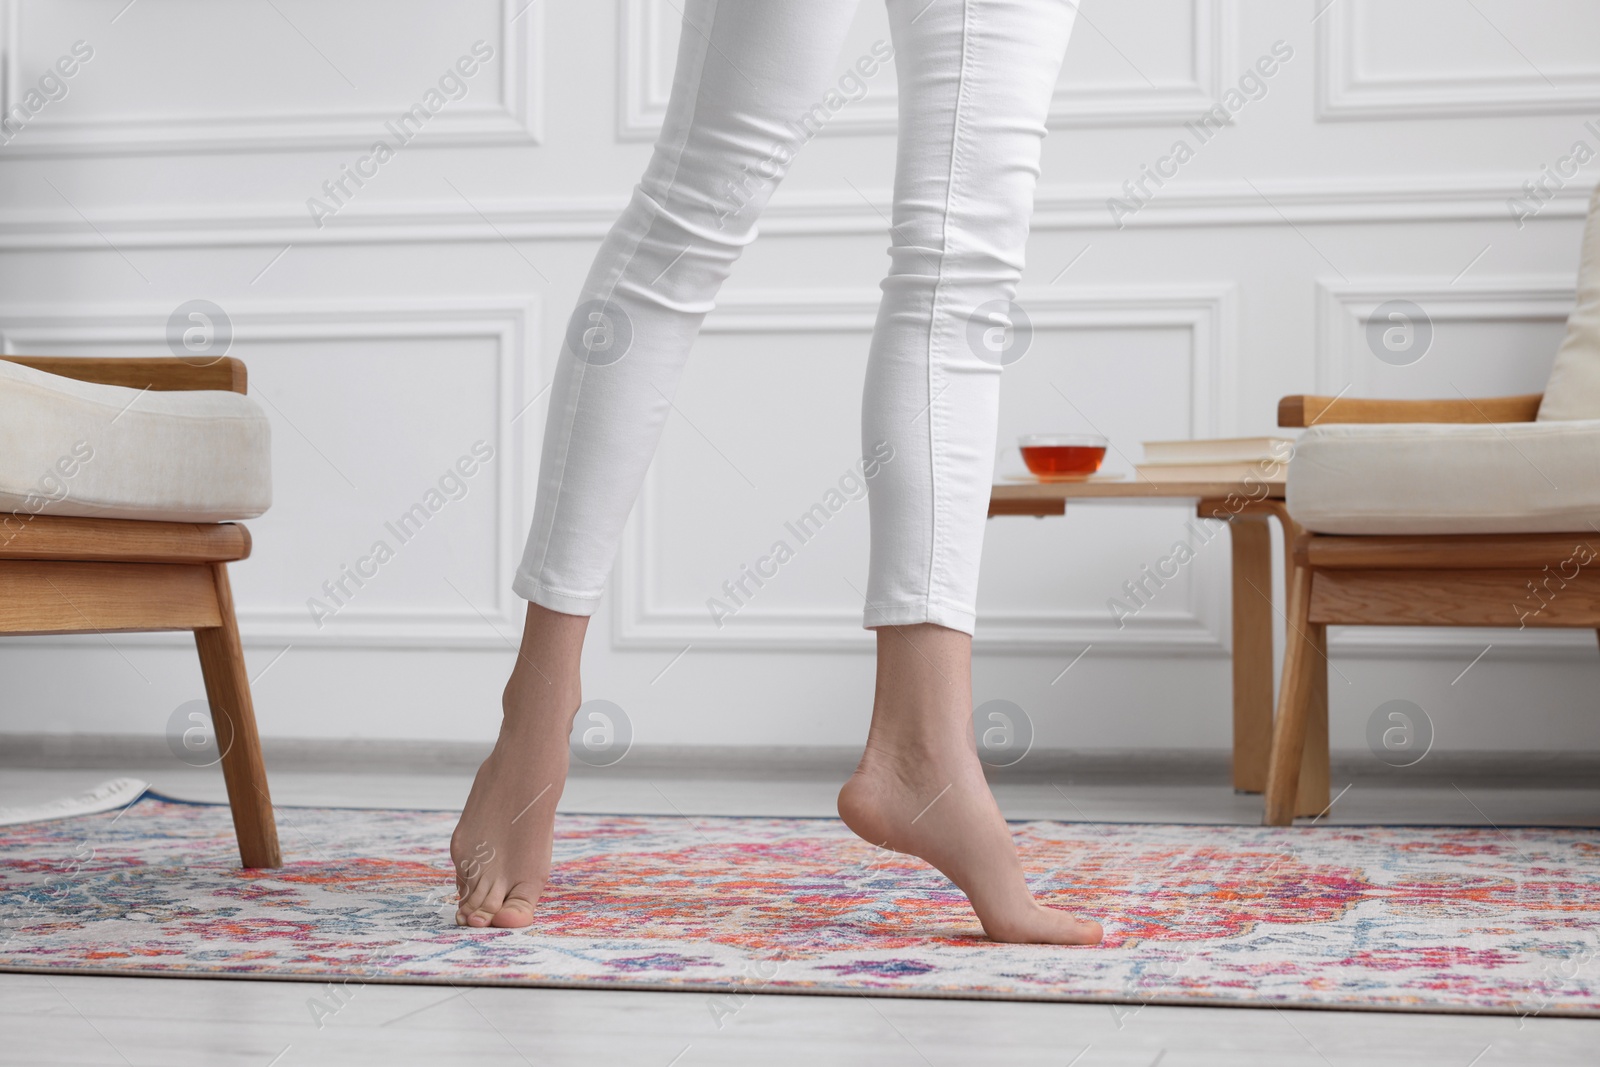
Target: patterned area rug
[1427,919]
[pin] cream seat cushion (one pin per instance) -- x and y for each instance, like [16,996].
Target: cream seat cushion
[78,448]
[1433,478]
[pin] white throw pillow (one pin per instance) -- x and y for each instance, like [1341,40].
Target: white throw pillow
[1573,391]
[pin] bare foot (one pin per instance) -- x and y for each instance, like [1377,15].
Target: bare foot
[920,789]
[501,847]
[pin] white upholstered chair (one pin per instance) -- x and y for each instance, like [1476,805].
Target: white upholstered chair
[1459,512]
[117,481]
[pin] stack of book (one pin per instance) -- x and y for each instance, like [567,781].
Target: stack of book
[1231,459]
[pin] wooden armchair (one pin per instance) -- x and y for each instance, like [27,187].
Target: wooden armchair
[71,574]
[1463,579]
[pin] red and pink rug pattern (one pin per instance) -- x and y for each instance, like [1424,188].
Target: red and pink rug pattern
[1406,918]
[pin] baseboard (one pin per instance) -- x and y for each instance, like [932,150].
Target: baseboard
[132,753]
[390,756]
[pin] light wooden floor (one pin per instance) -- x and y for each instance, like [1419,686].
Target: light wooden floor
[138,1021]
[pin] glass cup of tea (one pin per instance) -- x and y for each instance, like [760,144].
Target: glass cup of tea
[1062,455]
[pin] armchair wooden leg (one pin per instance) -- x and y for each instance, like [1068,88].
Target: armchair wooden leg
[1311,798]
[1295,697]
[234,719]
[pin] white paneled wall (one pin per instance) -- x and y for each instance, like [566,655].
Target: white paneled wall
[394,204]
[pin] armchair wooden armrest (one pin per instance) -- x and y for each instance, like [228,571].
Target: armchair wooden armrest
[1303,410]
[158,373]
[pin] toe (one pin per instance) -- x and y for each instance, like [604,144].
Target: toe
[1064,928]
[484,915]
[479,905]
[517,910]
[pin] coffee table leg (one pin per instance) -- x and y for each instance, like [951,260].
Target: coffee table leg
[1251,537]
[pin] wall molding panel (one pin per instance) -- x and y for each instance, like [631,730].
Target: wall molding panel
[512,326]
[644,79]
[1343,93]
[517,120]
[1198,625]
[1342,305]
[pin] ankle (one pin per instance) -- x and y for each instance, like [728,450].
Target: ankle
[913,762]
[936,726]
[527,700]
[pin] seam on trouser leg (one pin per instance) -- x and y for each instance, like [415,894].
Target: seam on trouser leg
[938,576]
[669,182]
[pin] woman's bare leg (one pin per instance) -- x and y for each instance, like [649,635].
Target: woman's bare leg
[920,787]
[501,846]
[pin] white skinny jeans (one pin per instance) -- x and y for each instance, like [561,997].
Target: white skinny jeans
[752,85]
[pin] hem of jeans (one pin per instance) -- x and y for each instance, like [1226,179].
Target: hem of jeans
[530,588]
[912,612]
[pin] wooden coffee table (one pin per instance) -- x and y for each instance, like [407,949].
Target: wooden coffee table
[1247,509]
